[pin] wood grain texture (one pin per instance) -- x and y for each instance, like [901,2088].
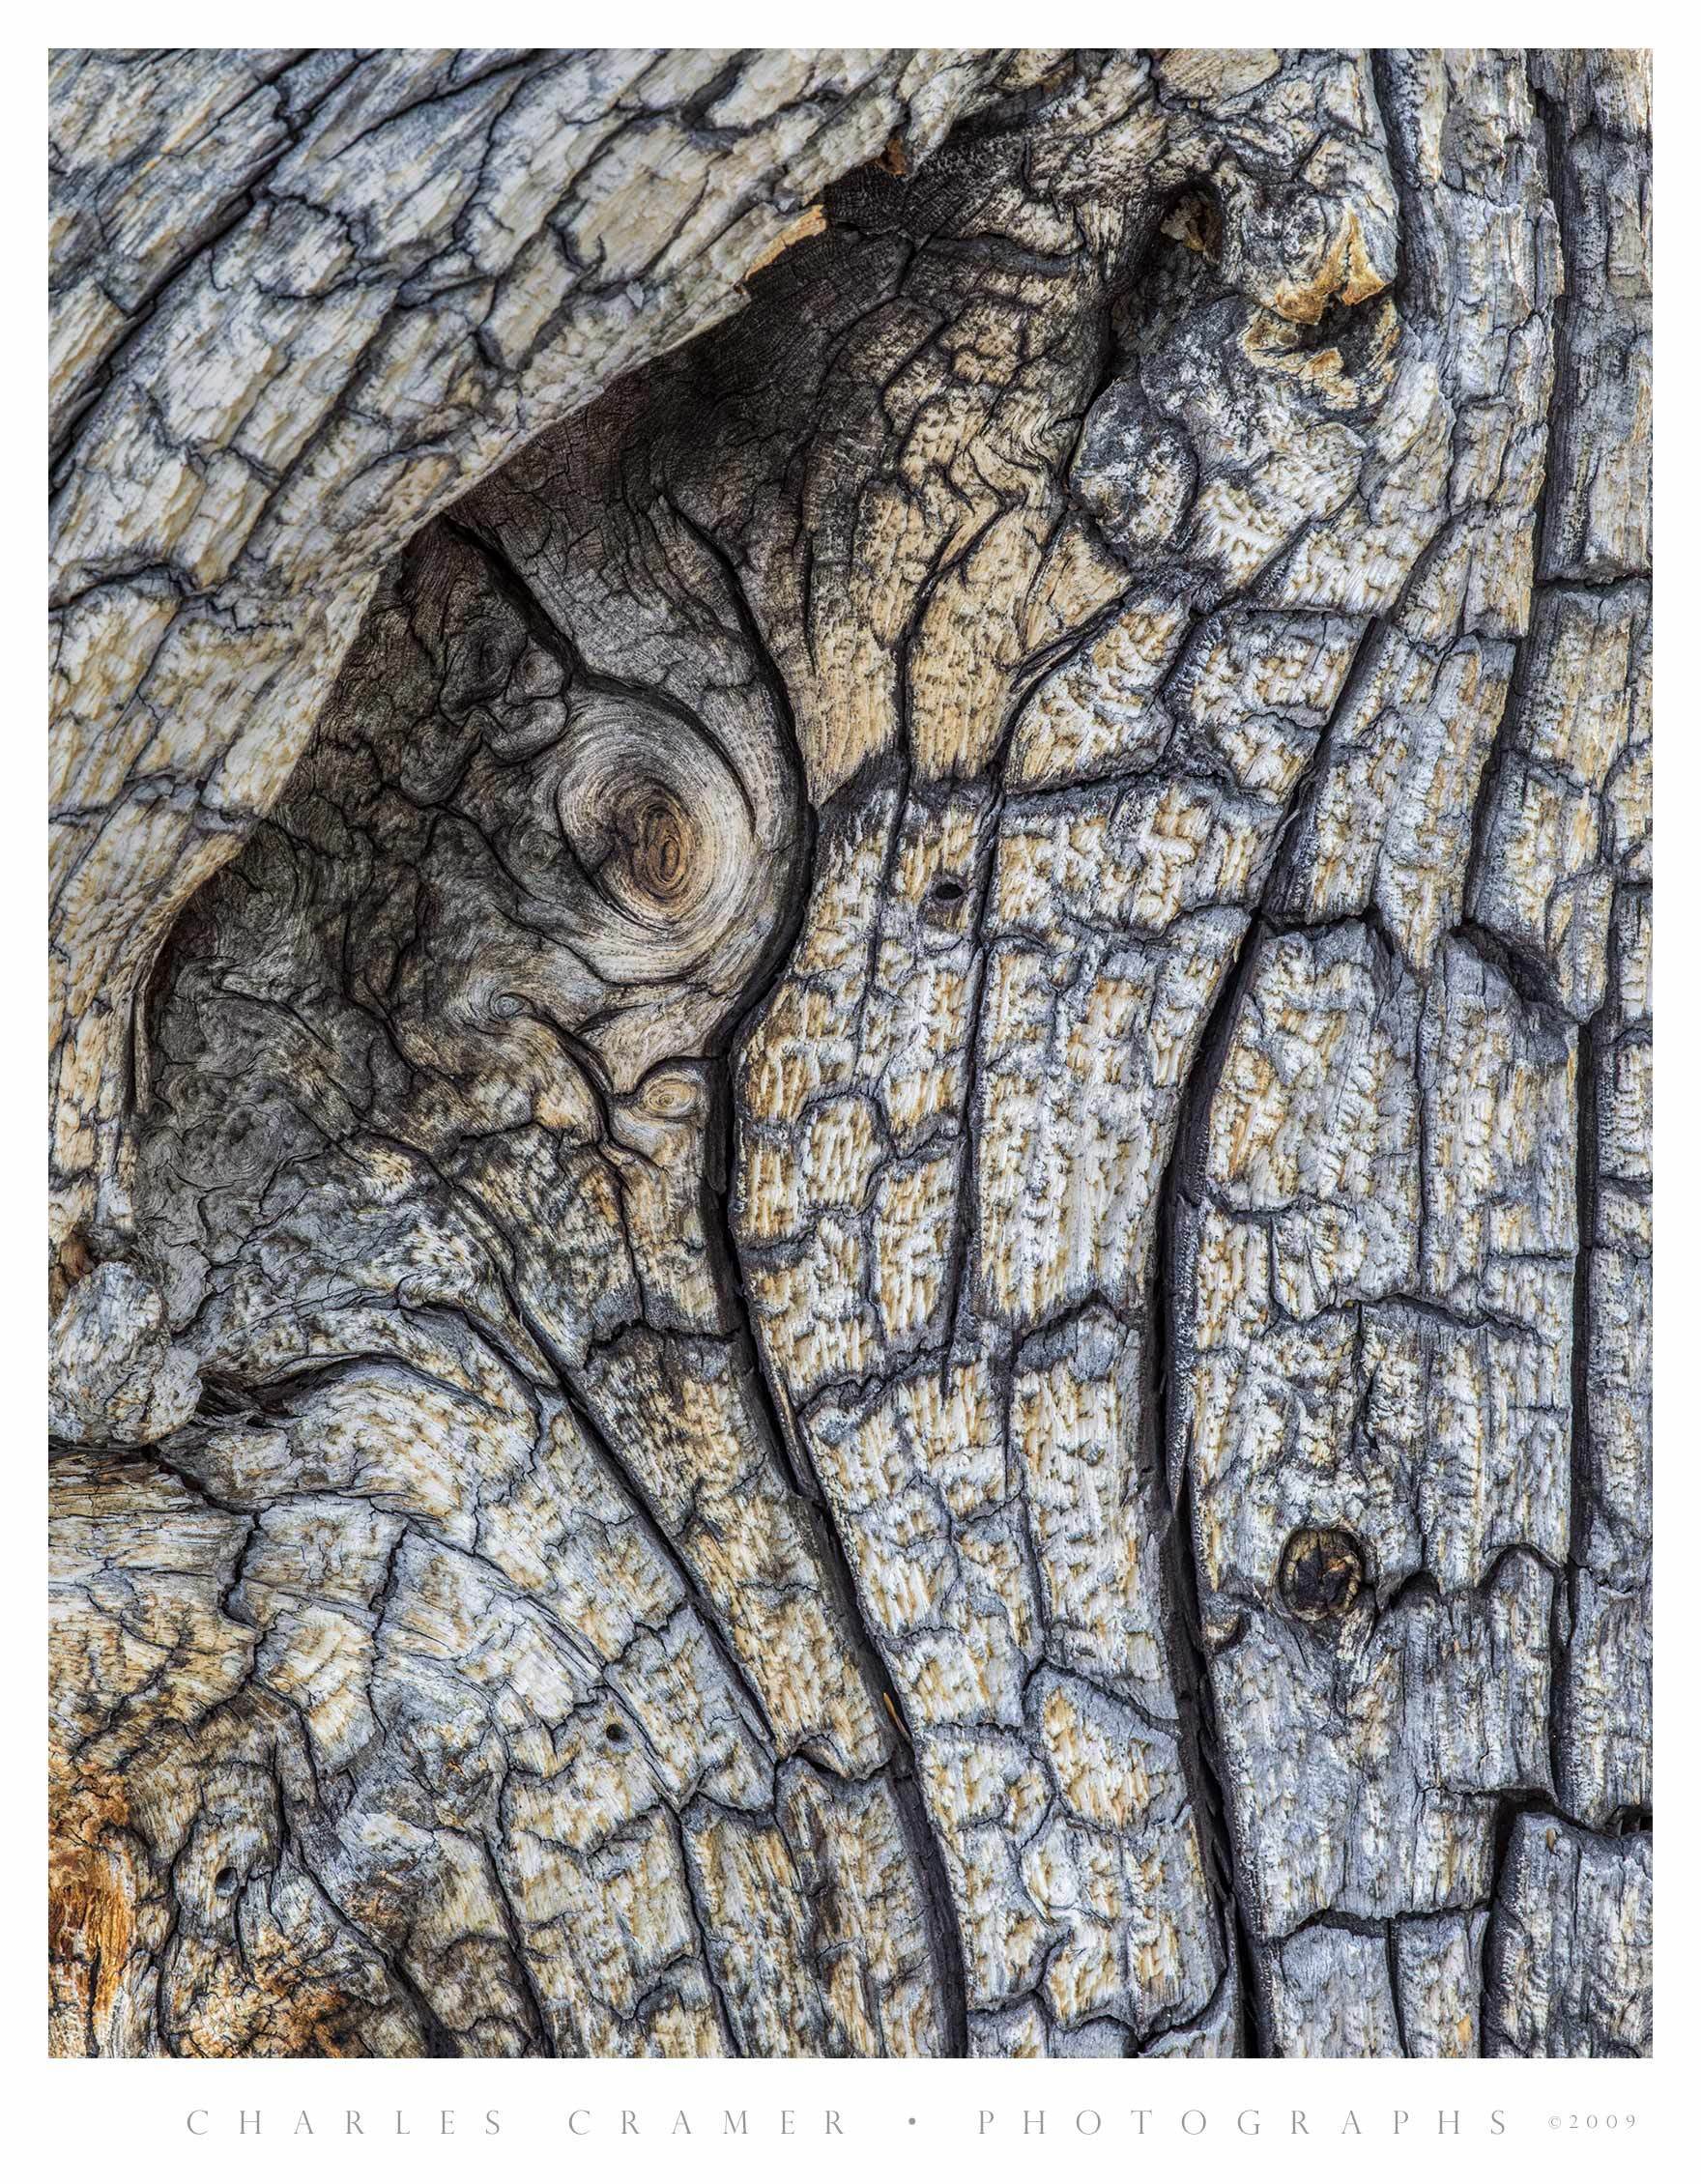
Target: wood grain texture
[852,1232]
[300,301]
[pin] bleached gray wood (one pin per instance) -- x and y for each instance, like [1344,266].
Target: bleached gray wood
[875,1279]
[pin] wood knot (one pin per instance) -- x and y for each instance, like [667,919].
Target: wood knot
[1321,1574]
[653,816]
[659,842]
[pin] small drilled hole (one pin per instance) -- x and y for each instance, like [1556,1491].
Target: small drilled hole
[224,1883]
[946,893]
[614,1734]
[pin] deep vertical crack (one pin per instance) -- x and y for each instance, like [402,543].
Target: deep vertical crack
[1168,1413]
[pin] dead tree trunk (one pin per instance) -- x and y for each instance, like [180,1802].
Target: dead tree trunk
[850,1078]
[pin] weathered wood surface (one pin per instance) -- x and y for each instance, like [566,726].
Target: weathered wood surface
[299,301]
[878,1282]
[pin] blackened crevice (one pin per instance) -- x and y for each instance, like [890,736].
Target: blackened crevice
[1512,712]
[793,1449]
[1167,1413]
[790,1445]
[1566,1592]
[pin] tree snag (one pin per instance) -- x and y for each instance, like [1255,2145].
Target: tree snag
[850,1090]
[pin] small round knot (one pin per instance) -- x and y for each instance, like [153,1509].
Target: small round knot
[1322,1571]
[658,838]
[654,818]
